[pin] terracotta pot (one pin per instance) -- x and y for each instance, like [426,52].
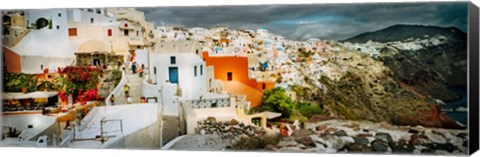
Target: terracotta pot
[24,89]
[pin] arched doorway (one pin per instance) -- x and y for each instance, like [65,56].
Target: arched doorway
[96,59]
[41,23]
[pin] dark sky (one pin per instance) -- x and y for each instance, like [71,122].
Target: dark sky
[324,21]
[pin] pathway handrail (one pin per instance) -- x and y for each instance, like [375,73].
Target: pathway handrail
[117,90]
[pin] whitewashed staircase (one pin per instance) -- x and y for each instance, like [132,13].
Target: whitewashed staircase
[135,91]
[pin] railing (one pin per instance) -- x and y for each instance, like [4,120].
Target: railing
[69,138]
[104,133]
[209,103]
[118,90]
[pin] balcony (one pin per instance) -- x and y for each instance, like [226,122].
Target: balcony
[209,103]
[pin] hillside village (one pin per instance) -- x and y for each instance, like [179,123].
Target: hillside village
[199,81]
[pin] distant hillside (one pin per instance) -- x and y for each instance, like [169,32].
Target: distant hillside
[432,69]
[402,32]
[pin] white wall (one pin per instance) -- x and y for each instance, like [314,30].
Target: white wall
[169,101]
[31,16]
[142,57]
[78,15]
[46,42]
[151,90]
[44,47]
[42,125]
[55,42]
[220,113]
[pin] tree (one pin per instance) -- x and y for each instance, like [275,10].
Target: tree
[276,100]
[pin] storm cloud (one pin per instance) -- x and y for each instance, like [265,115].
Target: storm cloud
[324,21]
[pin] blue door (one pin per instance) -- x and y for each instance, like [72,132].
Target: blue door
[173,74]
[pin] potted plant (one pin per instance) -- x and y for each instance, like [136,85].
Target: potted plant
[50,24]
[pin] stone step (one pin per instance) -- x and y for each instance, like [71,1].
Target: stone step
[135,92]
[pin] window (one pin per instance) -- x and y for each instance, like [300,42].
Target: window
[41,67]
[58,27]
[90,10]
[91,20]
[59,15]
[99,11]
[125,25]
[109,32]
[173,60]
[229,76]
[195,71]
[138,33]
[41,23]
[263,86]
[125,32]
[155,70]
[201,70]
[256,121]
[72,32]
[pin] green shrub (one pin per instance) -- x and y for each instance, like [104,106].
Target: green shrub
[308,109]
[116,76]
[14,82]
[296,115]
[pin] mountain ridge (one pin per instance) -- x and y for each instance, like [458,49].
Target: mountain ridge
[400,32]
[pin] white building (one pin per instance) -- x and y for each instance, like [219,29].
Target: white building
[184,69]
[53,38]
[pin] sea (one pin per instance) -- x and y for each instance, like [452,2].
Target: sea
[459,116]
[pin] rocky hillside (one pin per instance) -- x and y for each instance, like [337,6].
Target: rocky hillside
[429,59]
[368,91]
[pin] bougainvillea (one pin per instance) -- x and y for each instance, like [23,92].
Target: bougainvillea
[83,74]
[63,96]
[78,79]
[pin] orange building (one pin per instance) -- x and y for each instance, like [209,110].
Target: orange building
[233,68]
[12,60]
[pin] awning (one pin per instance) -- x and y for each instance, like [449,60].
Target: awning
[37,95]
[271,115]
[10,96]
[136,43]
[93,46]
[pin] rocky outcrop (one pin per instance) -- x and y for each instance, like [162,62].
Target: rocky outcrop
[371,93]
[236,135]
[374,138]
